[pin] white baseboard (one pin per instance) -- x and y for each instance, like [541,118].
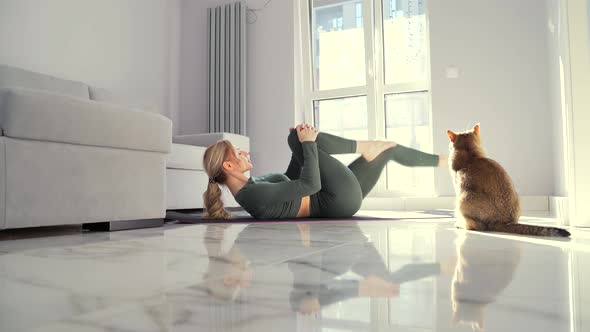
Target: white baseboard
[529,203]
[429,203]
[384,204]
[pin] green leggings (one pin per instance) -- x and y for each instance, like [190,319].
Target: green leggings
[343,188]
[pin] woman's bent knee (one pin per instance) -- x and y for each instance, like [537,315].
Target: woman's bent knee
[292,138]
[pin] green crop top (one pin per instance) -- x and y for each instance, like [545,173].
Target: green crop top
[275,195]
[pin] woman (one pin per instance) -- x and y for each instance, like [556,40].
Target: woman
[315,183]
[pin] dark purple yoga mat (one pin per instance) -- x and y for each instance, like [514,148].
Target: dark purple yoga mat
[241,216]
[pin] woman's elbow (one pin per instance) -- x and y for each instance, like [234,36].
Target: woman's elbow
[316,187]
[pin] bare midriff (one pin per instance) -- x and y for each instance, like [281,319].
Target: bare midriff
[304,208]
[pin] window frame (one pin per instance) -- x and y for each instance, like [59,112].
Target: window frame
[375,89]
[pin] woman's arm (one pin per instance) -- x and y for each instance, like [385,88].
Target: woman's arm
[294,169]
[307,184]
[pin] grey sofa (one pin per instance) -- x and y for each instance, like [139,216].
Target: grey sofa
[68,159]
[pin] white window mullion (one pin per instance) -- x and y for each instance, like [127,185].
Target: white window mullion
[406,87]
[307,72]
[379,80]
[339,93]
[428,83]
[379,84]
[370,68]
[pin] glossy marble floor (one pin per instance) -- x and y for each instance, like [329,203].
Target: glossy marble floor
[415,273]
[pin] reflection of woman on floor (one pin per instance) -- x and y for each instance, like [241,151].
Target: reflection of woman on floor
[315,183]
[227,271]
[315,284]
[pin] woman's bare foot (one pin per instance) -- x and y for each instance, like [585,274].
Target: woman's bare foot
[443,161]
[371,149]
[373,286]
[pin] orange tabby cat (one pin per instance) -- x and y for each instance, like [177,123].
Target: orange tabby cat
[486,198]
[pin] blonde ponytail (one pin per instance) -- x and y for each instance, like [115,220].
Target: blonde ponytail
[214,204]
[213,160]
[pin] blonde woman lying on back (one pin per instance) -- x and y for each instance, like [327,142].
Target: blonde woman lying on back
[315,183]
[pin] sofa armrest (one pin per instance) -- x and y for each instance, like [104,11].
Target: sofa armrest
[242,142]
[44,116]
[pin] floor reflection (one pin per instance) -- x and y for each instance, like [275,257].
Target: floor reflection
[329,267]
[372,278]
[480,276]
[318,279]
[400,275]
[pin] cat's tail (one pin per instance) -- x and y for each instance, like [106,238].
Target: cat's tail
[531,230]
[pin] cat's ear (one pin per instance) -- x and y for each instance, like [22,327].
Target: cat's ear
[452,135]
[476,129]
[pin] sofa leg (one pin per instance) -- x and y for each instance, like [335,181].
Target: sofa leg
[110,226]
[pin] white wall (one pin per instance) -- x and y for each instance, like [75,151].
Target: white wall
[271,85]
[270,78]
[127,46]
[500,50]
[156,51]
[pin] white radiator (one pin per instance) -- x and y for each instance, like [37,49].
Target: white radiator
[227,68]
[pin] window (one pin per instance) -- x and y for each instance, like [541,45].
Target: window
[338,56]
[369,78]
[346,117]
[359,14]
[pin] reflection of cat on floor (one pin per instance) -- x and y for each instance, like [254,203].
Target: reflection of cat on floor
[482,272]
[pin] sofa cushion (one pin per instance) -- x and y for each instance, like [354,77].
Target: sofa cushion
[186,157]
[107,96]
[16,77]
[40,115]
